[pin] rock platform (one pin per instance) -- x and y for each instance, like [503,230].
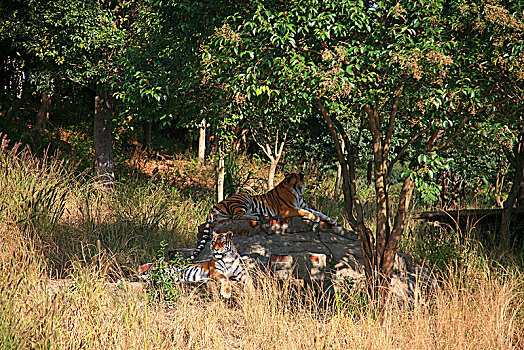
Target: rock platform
[296,249]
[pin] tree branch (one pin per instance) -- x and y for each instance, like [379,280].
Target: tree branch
[348,199]
[391,126]
[267,151]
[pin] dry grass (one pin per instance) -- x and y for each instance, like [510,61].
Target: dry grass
[101,235]
[479,309]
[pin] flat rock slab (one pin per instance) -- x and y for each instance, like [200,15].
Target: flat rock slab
[292,247]
[296,250]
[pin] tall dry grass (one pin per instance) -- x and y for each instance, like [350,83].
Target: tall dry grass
[100,234]
[477,309]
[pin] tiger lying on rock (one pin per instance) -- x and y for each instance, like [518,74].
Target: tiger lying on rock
[224,266]
[285,200]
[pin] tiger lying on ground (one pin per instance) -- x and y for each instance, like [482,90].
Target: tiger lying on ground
[225,265]
[285,200]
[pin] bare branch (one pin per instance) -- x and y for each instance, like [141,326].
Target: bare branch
[266,151]
[281,149]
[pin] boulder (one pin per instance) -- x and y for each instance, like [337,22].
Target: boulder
[296,249]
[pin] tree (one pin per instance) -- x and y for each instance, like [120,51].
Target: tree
[394,78]
[245,70]
[272,142]
[423,88]
[202,142]
[493,33]
[74,42]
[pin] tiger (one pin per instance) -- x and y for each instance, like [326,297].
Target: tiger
[285,200]
[224,266]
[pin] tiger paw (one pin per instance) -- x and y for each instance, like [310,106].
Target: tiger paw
[331,222]
[315,221]
[225,290]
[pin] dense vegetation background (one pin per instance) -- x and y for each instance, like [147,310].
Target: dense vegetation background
[123,122]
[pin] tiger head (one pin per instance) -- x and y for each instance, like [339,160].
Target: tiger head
[221,244]
[294,181]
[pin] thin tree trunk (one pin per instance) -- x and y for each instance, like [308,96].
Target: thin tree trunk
[505,223]
[497,191]
[189,139]
[220,179]
[104,160]
[202,142]
[369,174]
[520,197]
[336,192]
[43,113]
[351,202]
[339,174]
[518,163]
[271,174]
[274,155]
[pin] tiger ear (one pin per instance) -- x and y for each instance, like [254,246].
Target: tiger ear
[215,233]
[286,174]
[229,234]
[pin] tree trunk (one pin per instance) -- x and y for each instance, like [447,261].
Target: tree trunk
[380,172]
[104,160]
[379,258]
[336,193]
[202,142]
[274,155]
[518,163]
[497,191]
[271,175]
[369,174]
[220,179]
[520,197]
[189,139]
[351,202]
[43,113]
[388,259]
[148,130]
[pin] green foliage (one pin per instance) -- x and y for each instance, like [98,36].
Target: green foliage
[236,175]
[163,279]
[69,40]
[425,177]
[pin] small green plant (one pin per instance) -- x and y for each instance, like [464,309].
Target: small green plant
[165,275]
[236,175]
